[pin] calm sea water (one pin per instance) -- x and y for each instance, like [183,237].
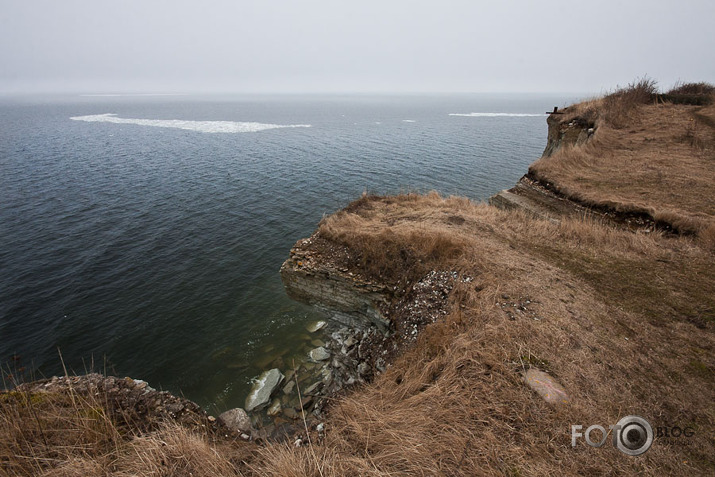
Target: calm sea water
[143,235]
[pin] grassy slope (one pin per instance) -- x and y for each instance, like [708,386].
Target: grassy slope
[603,316]
[657,156]
[624,320]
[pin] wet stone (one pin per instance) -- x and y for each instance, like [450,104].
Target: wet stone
[275,408]
[313,388]
[319,354]
[262,389]
[315,326]
[288,388]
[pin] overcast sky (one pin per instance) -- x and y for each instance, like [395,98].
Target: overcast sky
[96,46]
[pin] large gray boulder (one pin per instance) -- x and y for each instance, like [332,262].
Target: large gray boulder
[260,394]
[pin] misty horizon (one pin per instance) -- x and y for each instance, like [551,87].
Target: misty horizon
[283,47]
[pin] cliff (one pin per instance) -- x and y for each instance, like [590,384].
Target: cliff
[311,276]
[591,275]
[470,339]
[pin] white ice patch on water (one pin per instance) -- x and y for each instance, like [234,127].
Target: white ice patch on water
[409,121]
[128,95]
[492,115]
[199,126]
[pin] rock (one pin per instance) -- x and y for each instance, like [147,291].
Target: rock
[380,365]
[262,389]
[307,402]
[319,354]
[288,388]
[143,385]
[275,408]
[317,342]
[349,300]
[289,375]
[290,413]
[312,388]
[315,326]
[363,369]
[175,407]
[546,386]
[237,420]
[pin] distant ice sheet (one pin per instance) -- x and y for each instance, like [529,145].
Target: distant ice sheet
[128,95]
[200,126]
[491,115]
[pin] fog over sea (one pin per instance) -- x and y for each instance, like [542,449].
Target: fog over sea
[142,235]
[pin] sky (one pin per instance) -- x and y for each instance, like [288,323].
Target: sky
[336,46]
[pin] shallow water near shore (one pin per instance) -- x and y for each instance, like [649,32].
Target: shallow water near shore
[143,235]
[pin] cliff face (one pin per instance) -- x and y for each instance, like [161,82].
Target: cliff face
[536,197]
[564,129]
[311,277]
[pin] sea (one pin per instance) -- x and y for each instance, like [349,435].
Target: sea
[142,235]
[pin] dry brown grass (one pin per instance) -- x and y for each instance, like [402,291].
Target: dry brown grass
[624,320]
[661,165]
[620,107]
[691,93]
[74,434]
[403,250]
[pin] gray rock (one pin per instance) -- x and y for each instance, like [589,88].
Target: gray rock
[350,342]
[315,326]
[348,300]
[313,388]
[363,368]
[237,420]
[262,389]
[288,388]
[275,408]
[319,354]
[380,365]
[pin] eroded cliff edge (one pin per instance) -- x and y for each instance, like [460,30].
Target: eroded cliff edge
[312,274]
[587,274]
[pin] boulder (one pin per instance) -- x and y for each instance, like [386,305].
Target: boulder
[262,389]
[237,420]
[319,354]
[546,386]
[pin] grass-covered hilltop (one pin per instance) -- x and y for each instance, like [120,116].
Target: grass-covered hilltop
[581,296]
